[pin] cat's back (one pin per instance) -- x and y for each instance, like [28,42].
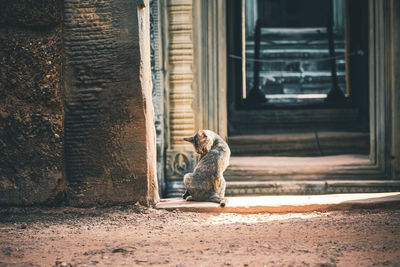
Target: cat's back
[219,152]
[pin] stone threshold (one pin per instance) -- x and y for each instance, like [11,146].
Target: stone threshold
[297,187]
[310,187]
[287,203]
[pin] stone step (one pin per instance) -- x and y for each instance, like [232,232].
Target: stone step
[300,144]
[297,187]
[274,121]
[284,168]
[287,204]
[285,77]
[307,38]
[285,49]
[306,187]
[294,53]
[296,41]
[296,65]
[297,33]
[299,175]
[303,43]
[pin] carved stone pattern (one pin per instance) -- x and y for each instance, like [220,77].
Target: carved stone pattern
[175,189]
[180,58]
[181,120]
[157,81]
[178,164]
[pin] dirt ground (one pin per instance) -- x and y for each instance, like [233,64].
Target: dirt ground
[134,236]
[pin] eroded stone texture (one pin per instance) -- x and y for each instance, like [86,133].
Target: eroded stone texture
[31,13]
[109,125]
[31,133]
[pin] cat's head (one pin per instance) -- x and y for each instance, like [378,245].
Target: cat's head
[201,141]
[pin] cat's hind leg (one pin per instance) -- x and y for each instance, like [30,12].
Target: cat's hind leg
[221,194]
[222,187]
[188,181]
[186,194]
[222,201]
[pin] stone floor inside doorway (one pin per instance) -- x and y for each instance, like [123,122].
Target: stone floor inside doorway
[362,234]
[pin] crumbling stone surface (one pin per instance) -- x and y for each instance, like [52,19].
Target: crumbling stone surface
[31,131]
[30,13]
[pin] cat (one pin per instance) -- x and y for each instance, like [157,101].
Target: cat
[207,182]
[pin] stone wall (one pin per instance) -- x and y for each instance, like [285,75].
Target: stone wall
[76,115]
[31,112]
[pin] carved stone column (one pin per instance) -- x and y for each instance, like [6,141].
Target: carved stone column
[157,77]
[181,118]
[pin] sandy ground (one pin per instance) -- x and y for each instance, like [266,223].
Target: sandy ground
[133,236]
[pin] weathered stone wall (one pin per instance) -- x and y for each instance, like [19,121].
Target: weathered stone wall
[31,113]
[100,126]
[110,145]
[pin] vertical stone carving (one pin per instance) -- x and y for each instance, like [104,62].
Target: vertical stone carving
[180,85]
[157,77]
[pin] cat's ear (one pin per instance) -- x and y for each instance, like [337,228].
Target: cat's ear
[189,139]
[202,134]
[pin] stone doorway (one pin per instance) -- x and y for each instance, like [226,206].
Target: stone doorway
[354,160]
[288,131]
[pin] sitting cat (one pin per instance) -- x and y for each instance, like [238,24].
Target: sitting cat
[207,182]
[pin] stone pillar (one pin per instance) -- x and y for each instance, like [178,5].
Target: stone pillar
[110,146]
[181,118]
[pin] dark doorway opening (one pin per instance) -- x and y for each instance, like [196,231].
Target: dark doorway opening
[285,61]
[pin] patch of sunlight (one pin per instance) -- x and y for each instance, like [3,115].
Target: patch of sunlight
[301,200]
[230,218]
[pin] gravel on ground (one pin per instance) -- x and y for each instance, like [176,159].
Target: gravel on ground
[136,236]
